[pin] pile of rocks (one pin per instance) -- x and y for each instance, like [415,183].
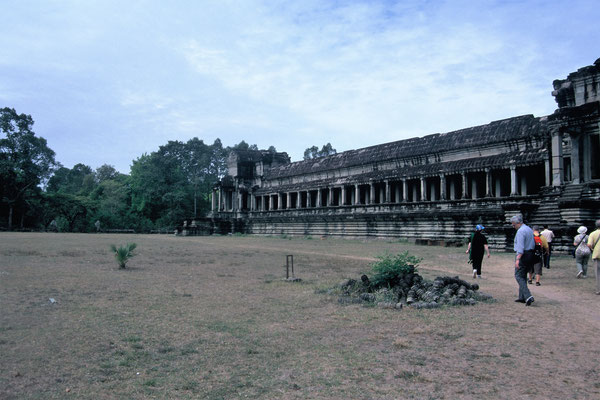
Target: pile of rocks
[411,290]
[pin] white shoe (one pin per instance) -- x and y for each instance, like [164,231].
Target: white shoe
[474,273]
[579,274]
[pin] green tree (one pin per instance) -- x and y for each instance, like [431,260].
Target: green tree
[80,180]
[71,208]
[26,161]
[106,172]
[314,152]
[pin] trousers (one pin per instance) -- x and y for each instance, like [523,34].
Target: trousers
[521,277]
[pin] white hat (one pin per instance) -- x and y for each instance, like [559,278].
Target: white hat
[582,229]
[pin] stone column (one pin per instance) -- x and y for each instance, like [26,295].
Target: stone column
[356,194]
[252,200]
[371,193]
[405,190]
[397,193]
[308,199]
[423,189]
[575,160]
[547,172]
[343,195]
[213,201]
[465,185]
[558,174]
[289,199]
[443,194]
[220,199]
[513,181]
[388,195]
[319,198]
[299,200]
[330,199]
[234,200]
[587,158]
[488,182]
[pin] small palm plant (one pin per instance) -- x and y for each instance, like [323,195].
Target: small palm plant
[123,253]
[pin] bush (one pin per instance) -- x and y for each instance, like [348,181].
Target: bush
[389,270]
[123,253]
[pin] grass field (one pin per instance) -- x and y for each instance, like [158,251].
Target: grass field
[211,318]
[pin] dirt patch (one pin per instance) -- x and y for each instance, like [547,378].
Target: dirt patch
[210,318]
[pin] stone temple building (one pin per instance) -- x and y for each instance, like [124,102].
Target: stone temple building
[434,188]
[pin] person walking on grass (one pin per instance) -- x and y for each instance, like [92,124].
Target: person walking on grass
[582,252]
[541,250]
[477,247]
[524,245]
[549,235]
[595,247]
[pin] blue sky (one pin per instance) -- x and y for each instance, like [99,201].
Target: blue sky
[106,81]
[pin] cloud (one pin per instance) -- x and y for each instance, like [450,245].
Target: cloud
[289,74]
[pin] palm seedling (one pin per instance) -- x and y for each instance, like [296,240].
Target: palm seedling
[123,253]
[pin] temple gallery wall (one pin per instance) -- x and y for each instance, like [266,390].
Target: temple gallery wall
[434,188]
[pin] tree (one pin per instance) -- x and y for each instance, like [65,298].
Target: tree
[80,180]
[106,172]
[71,208]
[26,161]
[314,152]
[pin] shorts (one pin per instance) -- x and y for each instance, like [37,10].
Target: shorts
[537,268]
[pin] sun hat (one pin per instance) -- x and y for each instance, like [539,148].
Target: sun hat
[582,229]
[479,227]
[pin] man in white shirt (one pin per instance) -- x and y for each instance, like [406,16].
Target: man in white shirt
[549,235]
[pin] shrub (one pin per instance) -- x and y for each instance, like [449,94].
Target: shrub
[389,270]
[123,253]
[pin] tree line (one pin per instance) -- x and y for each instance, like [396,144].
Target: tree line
[162,189]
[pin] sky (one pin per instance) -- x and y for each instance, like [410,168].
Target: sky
[108,81]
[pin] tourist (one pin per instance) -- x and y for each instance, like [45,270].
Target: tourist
[549,235]
[478,245]
[541,247]
[595,247]
[523,246]
[582,252]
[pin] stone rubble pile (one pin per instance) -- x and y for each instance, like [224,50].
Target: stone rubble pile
[410,290]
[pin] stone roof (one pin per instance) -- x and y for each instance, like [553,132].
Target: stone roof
[517,128]
[500,161]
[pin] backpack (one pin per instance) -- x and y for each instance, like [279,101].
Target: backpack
[582,248]
[538,250]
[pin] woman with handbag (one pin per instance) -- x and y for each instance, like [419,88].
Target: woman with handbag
[582,252]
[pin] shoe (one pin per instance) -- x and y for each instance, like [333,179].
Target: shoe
[583,276]
[474,273]
[579,274]
[529,281]
[598,293]
[519,301]
[529,301]
[479,277]
[538,284]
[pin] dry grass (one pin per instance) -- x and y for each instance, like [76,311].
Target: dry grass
[210,318]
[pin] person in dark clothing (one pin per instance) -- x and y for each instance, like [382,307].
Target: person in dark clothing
[476,249]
